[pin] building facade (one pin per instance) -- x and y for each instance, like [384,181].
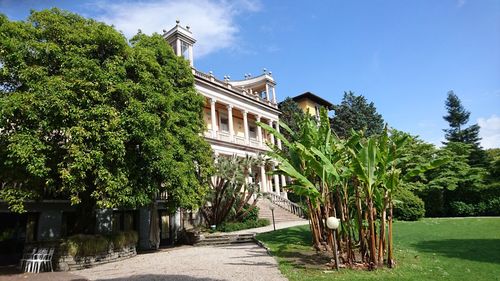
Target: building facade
[232,109]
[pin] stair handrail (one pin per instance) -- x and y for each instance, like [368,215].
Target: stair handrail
[286,204]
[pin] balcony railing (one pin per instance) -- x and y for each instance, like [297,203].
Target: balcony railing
[225,136]
[226,84]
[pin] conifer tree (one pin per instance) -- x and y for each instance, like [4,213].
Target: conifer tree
[355,112]
[457,118]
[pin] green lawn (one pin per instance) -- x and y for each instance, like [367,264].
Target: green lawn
[430,249]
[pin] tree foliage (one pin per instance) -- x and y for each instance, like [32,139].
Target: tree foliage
[87,116]
[231,192]
[457,118]
[355,113]
[291,115]
[353,179]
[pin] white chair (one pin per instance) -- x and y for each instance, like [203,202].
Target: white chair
[25,258]
[33,264]
[47,260]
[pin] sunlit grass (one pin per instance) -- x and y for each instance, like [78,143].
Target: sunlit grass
[430,249]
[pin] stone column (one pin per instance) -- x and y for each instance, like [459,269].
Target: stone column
[276,182]
[274,96]
[272,136]
[259,132]
[268,96]
[245,126]
[213,117]
[283,184]
[230,121]
[263,179]
[191,60]
[144,226]
[49,225]
[176,225]
[178,47]
[278,129]
[250,179]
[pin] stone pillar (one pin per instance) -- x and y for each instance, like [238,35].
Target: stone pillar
[278,129]
[49,225]
[272,136]
[104,221]
[250,179]
[276,179]
[259,132]
[268,96]
[245,126]
[283,184]
[213,117]
[230,121]
[178,47]
[274,96]
[190,50]
[144,226]
[176,225]
[263,179]
[277,184]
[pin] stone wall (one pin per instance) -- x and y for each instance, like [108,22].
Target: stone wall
[67,263]
[63,262]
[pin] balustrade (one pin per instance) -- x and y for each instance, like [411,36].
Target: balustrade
[286,204]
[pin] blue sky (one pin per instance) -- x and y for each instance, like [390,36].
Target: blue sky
[402,55]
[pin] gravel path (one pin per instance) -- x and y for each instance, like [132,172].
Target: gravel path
[233,262]
[239,262]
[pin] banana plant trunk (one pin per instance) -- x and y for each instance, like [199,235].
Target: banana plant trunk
[381,246]
[390,258]
[373,253]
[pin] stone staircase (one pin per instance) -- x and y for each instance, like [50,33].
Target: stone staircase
[225,239]
[284,209]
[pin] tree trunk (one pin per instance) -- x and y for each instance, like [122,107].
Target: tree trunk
[360,225]
[381,246]
[373,253]
[315,232]
[390,260]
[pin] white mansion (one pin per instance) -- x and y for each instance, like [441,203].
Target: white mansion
[232,109]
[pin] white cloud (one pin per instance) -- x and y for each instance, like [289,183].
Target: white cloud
[213,22]
[490,131]
[461,3]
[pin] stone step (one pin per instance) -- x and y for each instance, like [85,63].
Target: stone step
[280,214]
[225,239]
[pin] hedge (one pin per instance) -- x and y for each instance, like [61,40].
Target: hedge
[408,206]
[84,245]
[235,226]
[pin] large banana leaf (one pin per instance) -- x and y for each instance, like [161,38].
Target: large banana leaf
[365,165]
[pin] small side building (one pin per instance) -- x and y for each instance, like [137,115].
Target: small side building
[311,103]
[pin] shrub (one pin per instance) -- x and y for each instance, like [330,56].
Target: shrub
[252,215]
[124,239]
[86,245]
[489,207]
[235,226]
[461,209]
[82,245]
[408,206]
[492,207]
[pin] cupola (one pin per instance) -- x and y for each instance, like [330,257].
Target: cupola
[182,41]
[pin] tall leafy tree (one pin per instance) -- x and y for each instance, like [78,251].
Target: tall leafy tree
[457,118]
[355,112]
[291,115]
[87,116]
